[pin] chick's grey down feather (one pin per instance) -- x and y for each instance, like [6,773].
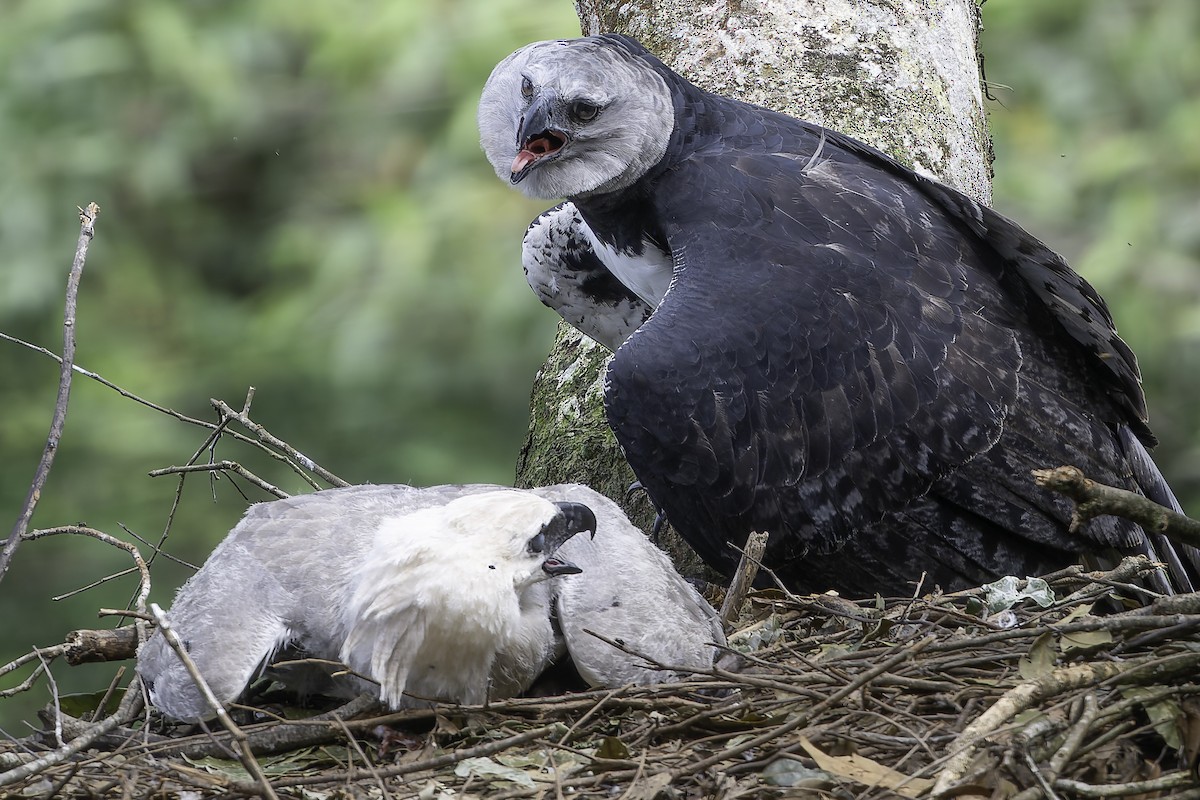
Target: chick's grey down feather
[442,593]
[813,340]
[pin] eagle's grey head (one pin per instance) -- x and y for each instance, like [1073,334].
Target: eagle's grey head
[574,117]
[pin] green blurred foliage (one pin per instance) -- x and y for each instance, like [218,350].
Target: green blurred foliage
[293,199]
[1097,138]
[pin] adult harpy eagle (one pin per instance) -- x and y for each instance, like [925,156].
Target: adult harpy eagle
[445,593]
[812,339]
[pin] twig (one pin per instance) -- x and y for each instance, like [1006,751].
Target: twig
[98,582]
[743,579]
[81,530]
[87,220]
[1026,694]
[266,437]
[1011,703]
[58,738]
[129,706]
[804,717]
[260,785]
[20,661]
[1172,780]
[411,767]
[366,761]
[1096,499]
[223,466]
[25,685]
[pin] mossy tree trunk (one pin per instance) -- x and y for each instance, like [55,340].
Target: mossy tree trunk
[901,75]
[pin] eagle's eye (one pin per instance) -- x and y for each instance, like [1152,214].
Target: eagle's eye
[526,87]
[583,111]
[537,544]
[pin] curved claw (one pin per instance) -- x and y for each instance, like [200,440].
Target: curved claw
[660,518]
[660,522]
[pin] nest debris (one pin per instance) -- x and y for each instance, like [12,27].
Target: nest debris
[1020,690]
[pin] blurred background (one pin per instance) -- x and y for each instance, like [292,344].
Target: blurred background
[293,199]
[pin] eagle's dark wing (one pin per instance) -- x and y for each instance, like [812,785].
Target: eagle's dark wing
[835,345]
[808,370]
[1028,265]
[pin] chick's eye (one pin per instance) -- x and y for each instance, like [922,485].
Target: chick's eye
[584,111]
[537,544]
[526,87]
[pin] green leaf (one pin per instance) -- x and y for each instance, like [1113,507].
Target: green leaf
[84,703]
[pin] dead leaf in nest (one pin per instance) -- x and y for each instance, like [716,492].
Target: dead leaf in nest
[491,771]
[1191,737]
[291,763]
[748,721]
[1165,714]
[1084,640]
[1040,660]
[649,787]
[444,726]
[1075,613]
[861,769]
[613,749]
[791,772]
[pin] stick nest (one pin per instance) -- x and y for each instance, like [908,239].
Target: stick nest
[1024,689]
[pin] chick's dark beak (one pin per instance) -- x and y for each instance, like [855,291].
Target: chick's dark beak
[572,518]
[559,566]
[537,138]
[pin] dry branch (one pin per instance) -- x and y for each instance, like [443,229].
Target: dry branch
[1097,499]
[743,579]
[267,438]
[87,229]
[90,646]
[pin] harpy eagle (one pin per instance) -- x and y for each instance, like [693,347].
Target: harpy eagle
[812,339]
[451,593]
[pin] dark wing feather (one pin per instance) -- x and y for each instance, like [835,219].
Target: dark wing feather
[806,372]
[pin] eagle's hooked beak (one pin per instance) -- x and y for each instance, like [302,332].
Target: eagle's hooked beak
[579,518]
[537,138]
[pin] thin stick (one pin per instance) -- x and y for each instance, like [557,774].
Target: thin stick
[267,438]
[478,751]
[743,579]
[801,719]
[260,785]
[223,466]
[129,707]
[58,738]
[87,220]
[81,530]
[366,761]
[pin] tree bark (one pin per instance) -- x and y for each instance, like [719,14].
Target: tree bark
[901,75]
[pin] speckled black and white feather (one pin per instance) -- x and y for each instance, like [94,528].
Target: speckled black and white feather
[855,358]
[565,273]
